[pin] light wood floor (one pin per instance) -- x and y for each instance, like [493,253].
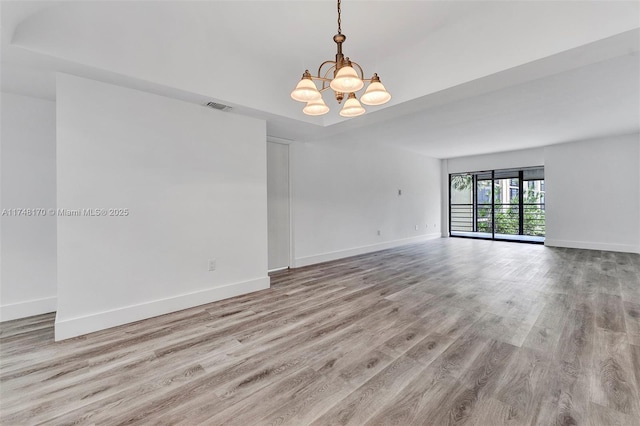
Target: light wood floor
[452,331]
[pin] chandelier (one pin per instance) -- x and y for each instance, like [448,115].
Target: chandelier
[346,81]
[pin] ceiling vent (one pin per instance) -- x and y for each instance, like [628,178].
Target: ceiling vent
[221,107]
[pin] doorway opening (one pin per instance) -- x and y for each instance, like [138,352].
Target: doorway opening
[278,206]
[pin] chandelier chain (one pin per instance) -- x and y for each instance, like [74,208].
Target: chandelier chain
[339,19]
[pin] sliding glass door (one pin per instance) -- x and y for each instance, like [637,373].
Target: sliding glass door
[462,216]
[508,188]
[534,203]
[484,211]
[498,204]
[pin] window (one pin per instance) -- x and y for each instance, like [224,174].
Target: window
[498,204]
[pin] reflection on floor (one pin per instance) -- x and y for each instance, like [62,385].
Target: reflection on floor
[507,237]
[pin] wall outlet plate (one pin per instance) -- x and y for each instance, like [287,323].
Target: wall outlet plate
[212,265]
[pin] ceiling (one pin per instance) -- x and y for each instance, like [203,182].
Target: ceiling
[467,77]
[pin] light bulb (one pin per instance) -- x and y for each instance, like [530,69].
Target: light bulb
[346,80]
[305,90]
[316,107]
[352,107]
[375,94]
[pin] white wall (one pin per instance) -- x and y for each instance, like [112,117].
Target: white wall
[194,183]
[28,181]
[343,193]
[593,194]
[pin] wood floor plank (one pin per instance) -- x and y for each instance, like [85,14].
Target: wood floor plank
[492,412]
[309,403]
[478,383]
[407,338]
[508,330]
[612,374]
[542,339]
[362,403]
[635,362]
[600,416]
[429,348]
[566,397]
[202,411]
[450,321]
[520,387]
[457,358]
[610,313]
[424,394]
[429,333]
[576,340]
[632,321]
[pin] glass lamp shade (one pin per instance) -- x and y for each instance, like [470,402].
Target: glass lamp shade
[375,94]
[352,107]
[346,81]
[317,107]
[305,91]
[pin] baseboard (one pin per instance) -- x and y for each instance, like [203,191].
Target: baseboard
[28,308]
[341,254]
[625,248]
[72,327]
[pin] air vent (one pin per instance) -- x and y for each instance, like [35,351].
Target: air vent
[221,107]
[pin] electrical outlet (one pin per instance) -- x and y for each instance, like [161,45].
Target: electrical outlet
[399,191]
[212,265]
[378,232]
